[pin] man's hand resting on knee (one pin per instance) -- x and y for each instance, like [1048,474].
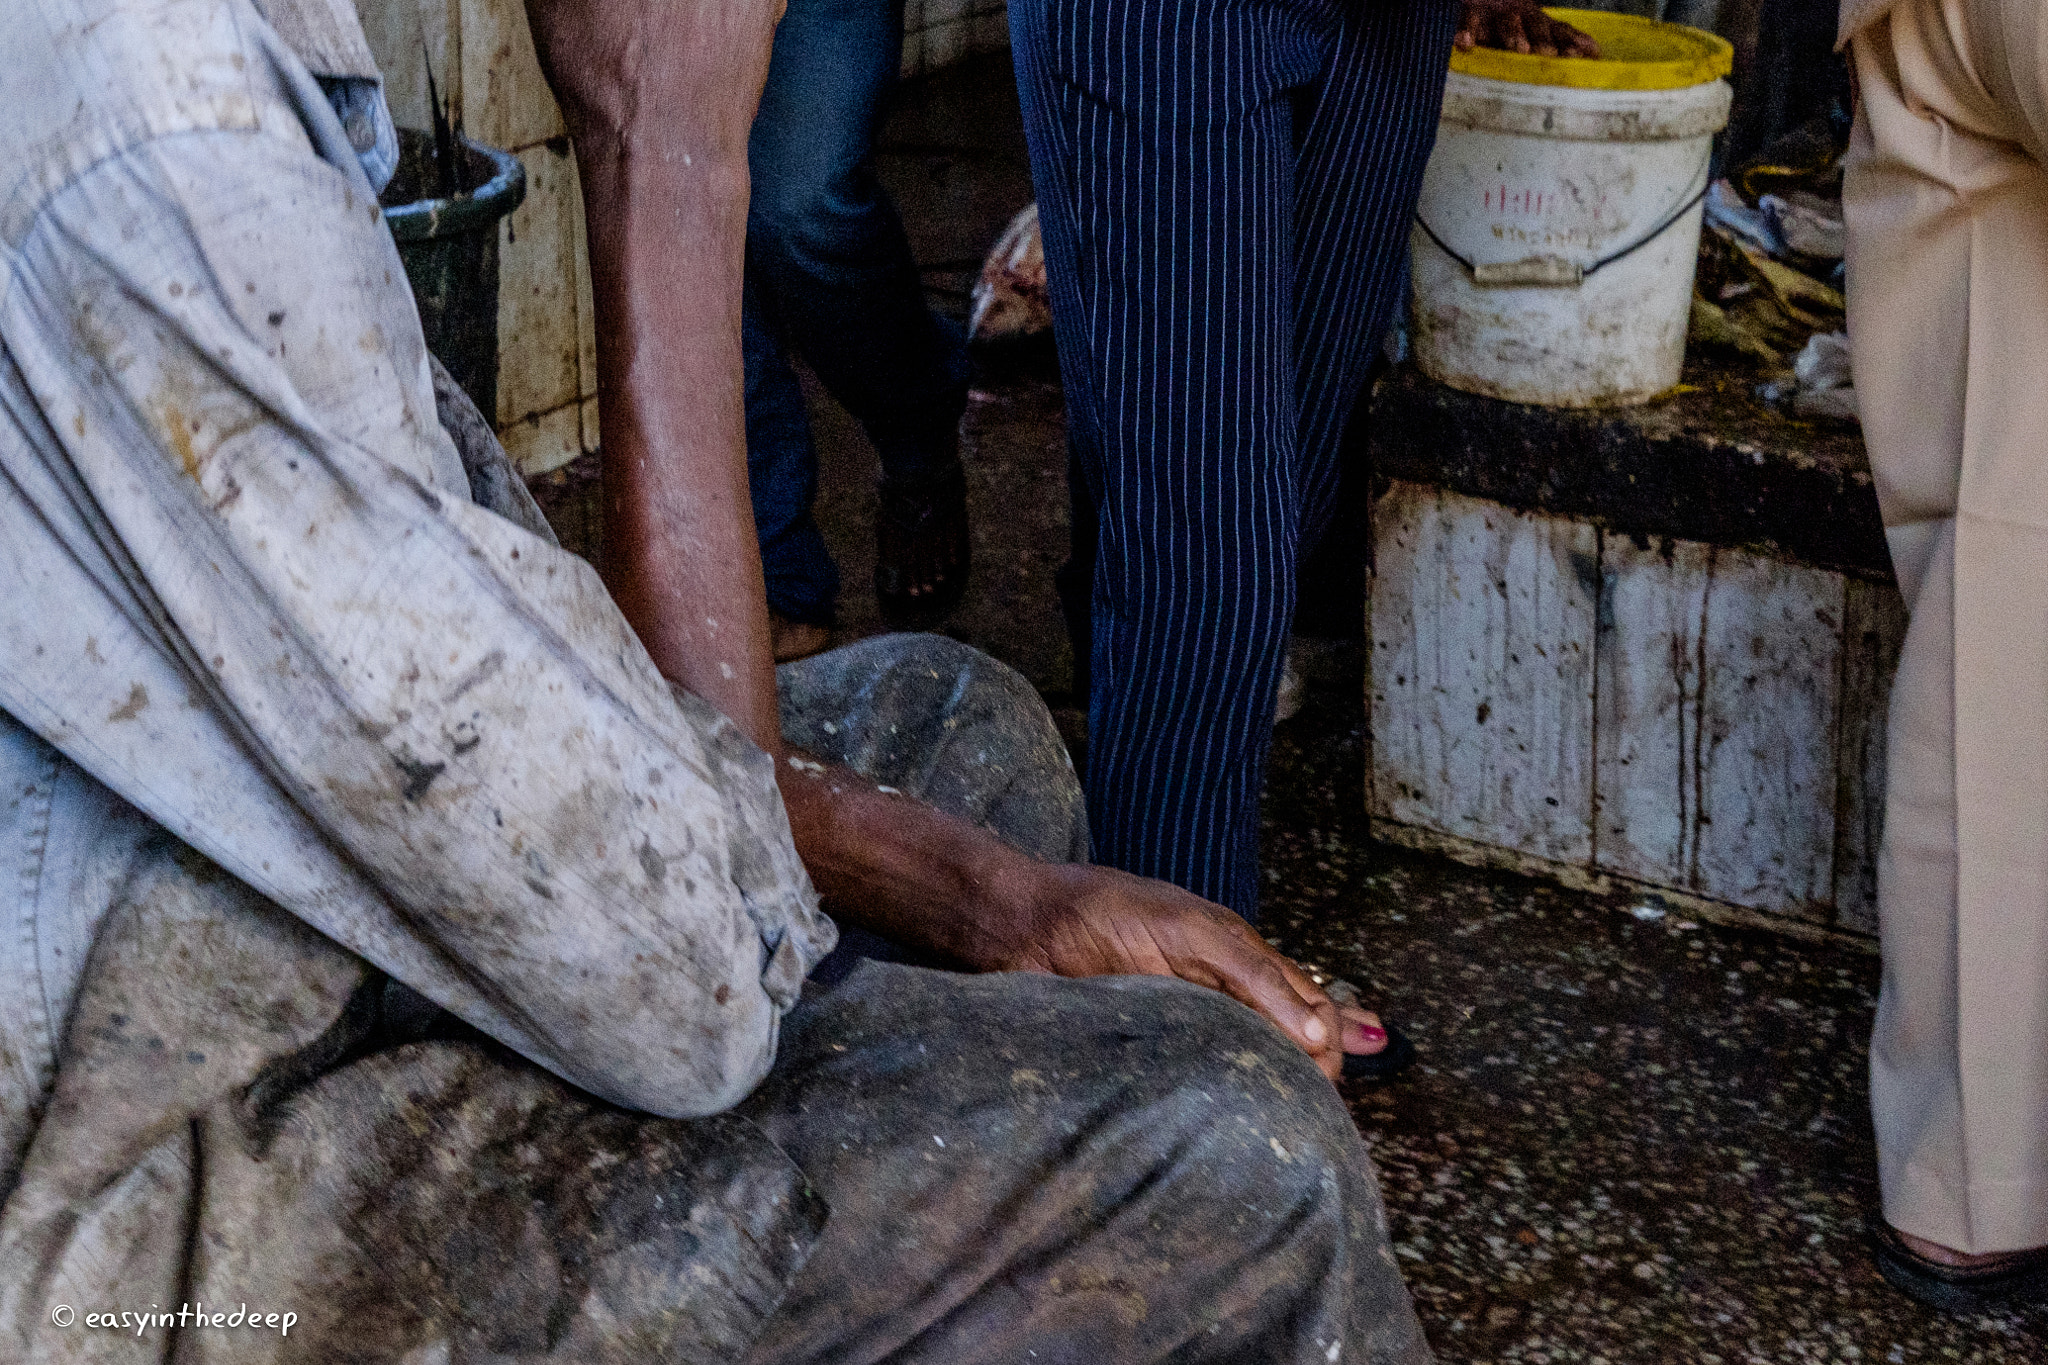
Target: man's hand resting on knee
[897,867]
[1095,921]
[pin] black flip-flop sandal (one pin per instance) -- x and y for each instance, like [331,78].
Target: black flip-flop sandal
[2020,1277]
[1390,1063]
[921,540]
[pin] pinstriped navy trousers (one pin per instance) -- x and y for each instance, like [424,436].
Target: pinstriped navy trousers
[1224,188]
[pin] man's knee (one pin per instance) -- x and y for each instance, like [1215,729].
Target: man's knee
[1272,1197]
[1139,1133]
[1169,1076]
[1265,1121]
[947,724]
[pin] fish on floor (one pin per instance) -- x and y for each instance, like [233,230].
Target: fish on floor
[1010,298]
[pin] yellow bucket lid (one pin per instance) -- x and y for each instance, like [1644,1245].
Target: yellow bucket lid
[1635,54]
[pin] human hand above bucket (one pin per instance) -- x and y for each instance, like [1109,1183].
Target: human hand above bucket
[1520,26]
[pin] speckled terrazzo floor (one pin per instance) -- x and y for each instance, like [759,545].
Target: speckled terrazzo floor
[1628,1140]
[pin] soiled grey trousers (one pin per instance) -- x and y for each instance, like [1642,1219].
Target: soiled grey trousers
[939,1167]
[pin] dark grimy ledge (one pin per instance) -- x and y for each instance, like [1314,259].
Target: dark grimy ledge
[1710,462]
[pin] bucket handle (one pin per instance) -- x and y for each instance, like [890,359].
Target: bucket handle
[1555,272]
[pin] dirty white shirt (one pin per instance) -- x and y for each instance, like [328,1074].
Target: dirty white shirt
[243,587]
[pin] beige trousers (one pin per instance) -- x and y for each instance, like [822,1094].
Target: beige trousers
[1947,205]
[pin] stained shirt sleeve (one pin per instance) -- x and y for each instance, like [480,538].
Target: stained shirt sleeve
[242,583]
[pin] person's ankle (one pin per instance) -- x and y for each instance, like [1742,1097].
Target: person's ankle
[1948,1256]
[791,640]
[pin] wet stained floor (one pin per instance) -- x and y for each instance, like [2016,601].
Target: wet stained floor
[1632,1137]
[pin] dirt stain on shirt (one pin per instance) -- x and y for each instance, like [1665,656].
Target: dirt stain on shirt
[137,703]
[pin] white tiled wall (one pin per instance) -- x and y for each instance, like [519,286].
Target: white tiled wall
[484,65]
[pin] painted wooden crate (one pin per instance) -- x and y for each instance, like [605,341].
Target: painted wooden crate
[1692,717]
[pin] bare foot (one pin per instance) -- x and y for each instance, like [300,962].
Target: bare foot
[921,549]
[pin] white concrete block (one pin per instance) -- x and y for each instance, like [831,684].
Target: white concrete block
[545,441]
[1482,672]
[405,37]
[505,99]
[1719,687]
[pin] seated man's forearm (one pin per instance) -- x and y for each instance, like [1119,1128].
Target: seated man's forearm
[931,881]
[659,99]
[660,114]
[899,868]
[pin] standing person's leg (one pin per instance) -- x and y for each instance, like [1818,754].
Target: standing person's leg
[1947,206]
[1356,183]
[1074,581]
[782,478]
[1165,156]
[1368,136]
[827,258]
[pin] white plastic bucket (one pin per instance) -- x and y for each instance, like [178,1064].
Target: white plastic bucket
[1558,228]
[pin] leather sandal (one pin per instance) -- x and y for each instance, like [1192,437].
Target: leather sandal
[2005,1280]
[921,549]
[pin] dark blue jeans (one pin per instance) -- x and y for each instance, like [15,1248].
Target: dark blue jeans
[830,277]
